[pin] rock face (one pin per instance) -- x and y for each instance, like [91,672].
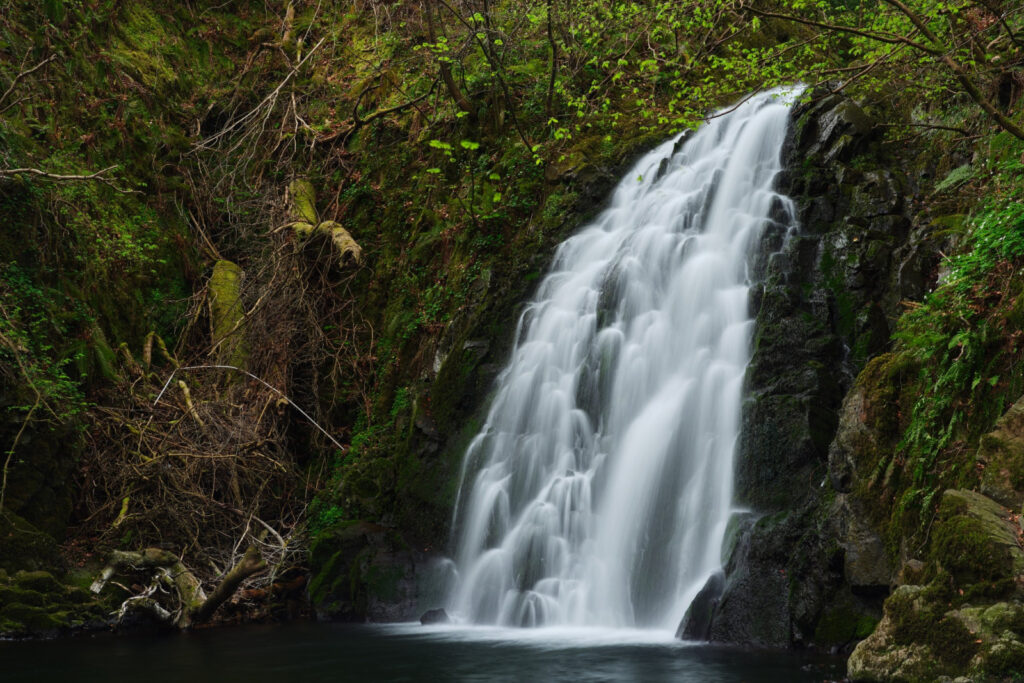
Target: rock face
[969,618]
[696,623]
[813,569]
[410,486]
[363,572]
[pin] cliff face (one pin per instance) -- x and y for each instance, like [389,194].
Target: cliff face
[801,570]
[875,487]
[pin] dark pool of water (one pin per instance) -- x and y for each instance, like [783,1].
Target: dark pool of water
[319,652]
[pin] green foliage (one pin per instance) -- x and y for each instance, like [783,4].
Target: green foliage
[323,515]
[28,356]
[963,338]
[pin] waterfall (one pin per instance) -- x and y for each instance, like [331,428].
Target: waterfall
[599,489]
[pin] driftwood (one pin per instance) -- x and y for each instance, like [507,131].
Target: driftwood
[171,577]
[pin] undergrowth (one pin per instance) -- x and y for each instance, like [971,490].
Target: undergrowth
[966,339]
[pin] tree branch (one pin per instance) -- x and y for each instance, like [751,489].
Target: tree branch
[959,71]
[446,72]
[98,175]
[890,39]
[250,563]
[23,74]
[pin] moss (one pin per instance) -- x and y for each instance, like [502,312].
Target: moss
[382,581]
[23,546]
[1004,616]
[41,581]
[35,619]
[916,620]
[844,620]
[345,247]
[974,544]
[10,595]
[336,560]
[227,313]
[303,197]
[143,47]
[1005,659]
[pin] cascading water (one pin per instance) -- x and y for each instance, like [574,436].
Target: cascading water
[599,490]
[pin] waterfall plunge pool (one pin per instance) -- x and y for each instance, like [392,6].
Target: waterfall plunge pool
[309,652]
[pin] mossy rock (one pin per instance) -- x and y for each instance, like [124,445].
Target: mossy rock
[975,542]
[39,580]
[915,642]
[1004,659]
[1001,453]
[12,595]
[23,546]
[335,588]
[35,619]
[844,620]
[361,570]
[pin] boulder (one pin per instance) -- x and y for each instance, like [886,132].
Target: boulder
[1001,454]
[435,616]
[974,539]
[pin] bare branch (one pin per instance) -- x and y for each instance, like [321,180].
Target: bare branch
[98,175]
[23,74]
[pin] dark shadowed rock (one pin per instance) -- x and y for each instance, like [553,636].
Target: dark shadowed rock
[435,616]
[696,623]
[826,300]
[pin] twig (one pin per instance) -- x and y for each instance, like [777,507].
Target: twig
[246,372]
[25,73]
[98,175]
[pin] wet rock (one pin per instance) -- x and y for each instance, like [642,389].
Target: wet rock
[866,565]
[696,623]
[826,303]
[362,571]
[435,616]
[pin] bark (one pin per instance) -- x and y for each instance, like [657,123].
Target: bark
[446,73]
[195,606]
[250,563]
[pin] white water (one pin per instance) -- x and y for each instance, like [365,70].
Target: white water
[599,489]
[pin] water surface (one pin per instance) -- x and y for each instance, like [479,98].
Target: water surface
[327,652]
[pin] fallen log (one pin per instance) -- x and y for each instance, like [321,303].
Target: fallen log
[170,576]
